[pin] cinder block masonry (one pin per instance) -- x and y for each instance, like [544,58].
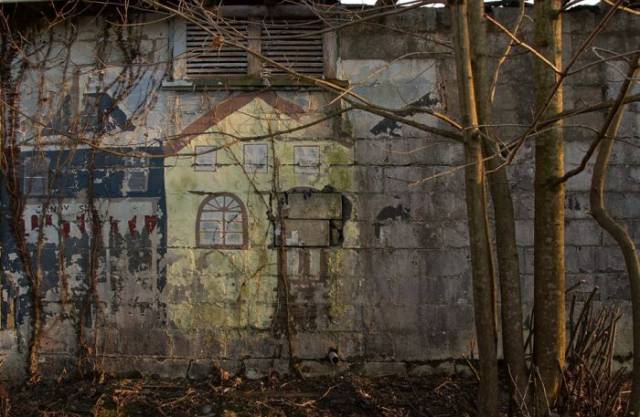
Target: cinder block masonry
[377,262]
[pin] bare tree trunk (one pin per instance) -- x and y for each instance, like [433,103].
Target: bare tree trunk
[505,230]
[549,273]
[475,187]
[616,229]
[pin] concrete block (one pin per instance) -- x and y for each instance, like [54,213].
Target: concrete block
[459,316]
[314,206]
[449,206]
[200,369]
[582,181]
[580,259]
[523,205]
[404,179]
[379,369]
[394,290]
[624,205]
[609,259]
[250,343]
[373,207]
[614,287]
[521,174]
[526,257]
[623,178]
[414,346]
[232,366]
[434,369]
[345,317]
[155,341]
[446,262]
[582,232]
[367,179]
[314,345]
[391,318]
[145,366]
[360,235]
[350,345]
[307,233]
[400,234]
[459,289]
[625,153]
[393,263]
[260,368]
[322,368]
[372,152]
[421,151]
[577,205]
[435,321]
[433,290]
[455,234]
[524,232]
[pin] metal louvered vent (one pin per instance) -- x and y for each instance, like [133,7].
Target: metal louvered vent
[205,58]
[294,43]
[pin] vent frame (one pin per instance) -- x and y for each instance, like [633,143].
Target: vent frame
[204,60]
[297,42]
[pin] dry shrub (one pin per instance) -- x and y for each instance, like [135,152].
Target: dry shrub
[591,388]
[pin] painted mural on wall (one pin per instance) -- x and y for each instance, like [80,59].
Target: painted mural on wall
[100,114]
[128,197]
[225,174]
[188,266]
[188,235]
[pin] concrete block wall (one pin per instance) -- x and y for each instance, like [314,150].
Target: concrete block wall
[432,290]
[379,266]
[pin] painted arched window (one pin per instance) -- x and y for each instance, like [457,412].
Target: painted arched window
[222,222]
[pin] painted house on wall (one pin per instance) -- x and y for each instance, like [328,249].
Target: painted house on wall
[187,228]
[232,189]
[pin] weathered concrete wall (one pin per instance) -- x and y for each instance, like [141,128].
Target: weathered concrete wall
[377,260]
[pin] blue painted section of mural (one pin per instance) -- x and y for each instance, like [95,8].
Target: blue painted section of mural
[101,114]
[119,183]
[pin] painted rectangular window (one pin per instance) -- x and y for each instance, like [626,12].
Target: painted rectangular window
[7,308]
[136,177]
[137,180]
[256,157]
[36,176]
[306,159]
[206,158]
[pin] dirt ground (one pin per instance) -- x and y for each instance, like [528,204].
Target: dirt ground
[225,396]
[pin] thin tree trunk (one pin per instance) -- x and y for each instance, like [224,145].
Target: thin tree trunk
[616,229]
[481,257]
[505,230]
[549,268]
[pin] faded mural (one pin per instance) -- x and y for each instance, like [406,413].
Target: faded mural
[240,227]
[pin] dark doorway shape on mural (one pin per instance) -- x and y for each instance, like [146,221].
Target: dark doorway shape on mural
[101,114]
[313,218]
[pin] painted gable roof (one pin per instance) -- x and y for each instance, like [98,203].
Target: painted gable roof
[227,107]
